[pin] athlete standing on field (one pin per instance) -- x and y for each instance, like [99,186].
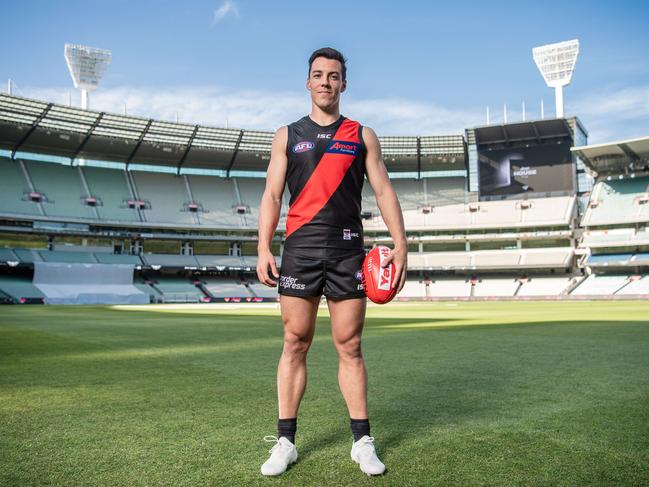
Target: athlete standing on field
[324,158]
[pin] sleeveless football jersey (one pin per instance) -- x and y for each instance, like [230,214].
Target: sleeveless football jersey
[325,175]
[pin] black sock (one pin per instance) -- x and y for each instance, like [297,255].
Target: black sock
[360,428]
[287,429]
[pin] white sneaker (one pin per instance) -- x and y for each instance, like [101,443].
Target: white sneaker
[281,456]
[364,454]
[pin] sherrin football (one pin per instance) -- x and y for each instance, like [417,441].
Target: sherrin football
[378,281]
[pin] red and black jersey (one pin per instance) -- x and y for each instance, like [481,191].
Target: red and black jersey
[325,175]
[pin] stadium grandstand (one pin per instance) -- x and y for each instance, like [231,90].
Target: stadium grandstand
[105,208]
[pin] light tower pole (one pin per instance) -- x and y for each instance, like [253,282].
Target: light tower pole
[87,65]
[557,63]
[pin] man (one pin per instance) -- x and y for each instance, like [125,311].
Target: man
[324,158]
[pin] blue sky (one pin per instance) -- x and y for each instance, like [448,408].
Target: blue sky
[414,67]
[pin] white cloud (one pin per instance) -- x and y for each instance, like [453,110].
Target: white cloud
[614,114]
[227,8]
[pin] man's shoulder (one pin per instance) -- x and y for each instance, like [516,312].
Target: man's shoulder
[281,131]
[301,121]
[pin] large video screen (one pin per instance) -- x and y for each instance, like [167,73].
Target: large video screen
[534,169]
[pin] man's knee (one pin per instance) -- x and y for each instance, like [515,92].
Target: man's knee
[350,348]
[295,345]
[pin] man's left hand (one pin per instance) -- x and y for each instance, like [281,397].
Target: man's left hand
[399,256]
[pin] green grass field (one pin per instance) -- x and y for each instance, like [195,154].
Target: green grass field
[536,393]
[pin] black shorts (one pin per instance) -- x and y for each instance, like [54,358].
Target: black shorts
[337,277]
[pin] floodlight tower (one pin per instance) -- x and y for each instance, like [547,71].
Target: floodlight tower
[557,63]
[87,65]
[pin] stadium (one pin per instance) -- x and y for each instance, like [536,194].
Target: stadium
[521,326]
[178,206]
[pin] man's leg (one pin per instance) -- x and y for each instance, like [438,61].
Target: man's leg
[347,319]
[298,315]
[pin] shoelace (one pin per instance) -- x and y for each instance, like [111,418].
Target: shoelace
[272,439]
[367,447]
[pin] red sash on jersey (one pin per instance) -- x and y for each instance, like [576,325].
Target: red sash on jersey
[326,177]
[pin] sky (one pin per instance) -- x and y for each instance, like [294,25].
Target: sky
[414,68]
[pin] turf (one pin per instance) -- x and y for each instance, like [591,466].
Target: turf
[535,393]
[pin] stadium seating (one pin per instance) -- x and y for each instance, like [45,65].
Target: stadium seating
[262,291]
[64,256]
[639,285]
[177,289]
[110,187]
[413,288]
[8,255]
[608,259]
[13,189]
[226,288]
[487,214]
[547,257]
[63,189]
[496,287]
[250,191]
[170,260]
[641,258]
[218,200]
[142,284]
[600,285]
[493,259]
[620,236]
[167,195]
[28,256]
[616,201]
[414,194]
[219,261]
[105,258]
[19,287]
[544,286]
[449,288]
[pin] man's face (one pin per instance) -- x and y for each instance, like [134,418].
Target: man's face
[325,82]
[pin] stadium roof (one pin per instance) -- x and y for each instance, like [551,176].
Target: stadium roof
[37,126]
[537,130]
[616,157]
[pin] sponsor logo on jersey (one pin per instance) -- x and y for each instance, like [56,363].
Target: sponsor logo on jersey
[290,282]
[324,136]
[338,147]
[348,234]
[303,146]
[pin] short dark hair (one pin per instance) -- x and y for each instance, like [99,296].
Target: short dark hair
[329,53]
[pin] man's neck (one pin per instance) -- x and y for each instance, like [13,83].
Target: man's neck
[324,117]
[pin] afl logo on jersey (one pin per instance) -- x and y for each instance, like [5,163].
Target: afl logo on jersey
[303,147]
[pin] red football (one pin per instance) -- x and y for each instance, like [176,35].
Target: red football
[378,281]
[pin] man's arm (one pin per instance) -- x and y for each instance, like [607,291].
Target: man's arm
[386,199]
[271,204]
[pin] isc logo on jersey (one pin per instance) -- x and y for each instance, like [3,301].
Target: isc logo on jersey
[343,148]
[303,147]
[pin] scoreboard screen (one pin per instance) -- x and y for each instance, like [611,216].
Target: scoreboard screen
[529,168]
